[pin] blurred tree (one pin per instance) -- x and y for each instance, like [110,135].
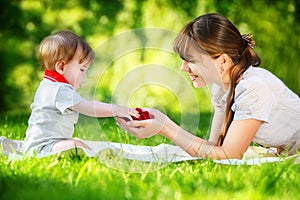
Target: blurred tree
[275,25]
[11,27]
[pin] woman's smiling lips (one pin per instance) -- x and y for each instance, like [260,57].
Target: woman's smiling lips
[193,77]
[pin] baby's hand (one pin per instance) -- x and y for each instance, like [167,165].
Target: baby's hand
[134,113]
[146,127]
[127,113]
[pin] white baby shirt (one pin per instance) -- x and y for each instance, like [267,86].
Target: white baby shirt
[50,117]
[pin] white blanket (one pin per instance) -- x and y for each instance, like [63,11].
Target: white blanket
[163,153]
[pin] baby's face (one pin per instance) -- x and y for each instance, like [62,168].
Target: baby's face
[76,72]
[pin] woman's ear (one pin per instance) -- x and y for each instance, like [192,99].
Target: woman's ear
[225,64]
[60,67]
[225,61]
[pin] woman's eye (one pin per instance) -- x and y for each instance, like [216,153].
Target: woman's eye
[188,60]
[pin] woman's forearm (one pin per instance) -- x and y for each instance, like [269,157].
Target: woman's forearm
[216,126]
[193,145]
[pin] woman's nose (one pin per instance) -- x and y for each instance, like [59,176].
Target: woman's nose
[184,66]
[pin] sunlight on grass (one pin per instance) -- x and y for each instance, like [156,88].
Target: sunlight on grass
[87,177]
[72,175]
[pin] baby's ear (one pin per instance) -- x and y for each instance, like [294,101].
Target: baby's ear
[60,67]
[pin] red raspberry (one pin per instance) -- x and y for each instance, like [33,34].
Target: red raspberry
[143,115]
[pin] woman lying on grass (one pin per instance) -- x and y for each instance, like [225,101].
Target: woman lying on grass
[251,104]
[56,105]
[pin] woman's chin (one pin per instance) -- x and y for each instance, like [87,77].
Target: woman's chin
[199,85]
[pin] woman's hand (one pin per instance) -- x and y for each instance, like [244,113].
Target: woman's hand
[145,128]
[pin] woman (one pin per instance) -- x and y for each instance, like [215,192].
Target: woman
[251,104]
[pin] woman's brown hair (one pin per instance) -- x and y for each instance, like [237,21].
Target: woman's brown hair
[215,35]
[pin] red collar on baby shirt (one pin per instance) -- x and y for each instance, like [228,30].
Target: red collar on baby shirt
[55,77]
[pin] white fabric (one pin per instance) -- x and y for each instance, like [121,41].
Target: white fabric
[51,101]
[163,153]
[261,95]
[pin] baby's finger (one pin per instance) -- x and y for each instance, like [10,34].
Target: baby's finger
[134,112]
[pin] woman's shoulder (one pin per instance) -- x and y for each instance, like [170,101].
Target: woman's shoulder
[257,74]
[261,82]
[257,84]
[256,78]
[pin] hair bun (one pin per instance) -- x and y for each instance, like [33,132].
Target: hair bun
[248,39]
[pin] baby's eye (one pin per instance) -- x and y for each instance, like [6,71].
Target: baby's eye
[82,70]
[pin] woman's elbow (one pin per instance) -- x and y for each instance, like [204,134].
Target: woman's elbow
[233,155]
[218,154]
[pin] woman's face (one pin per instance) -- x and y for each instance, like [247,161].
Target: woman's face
[203,70]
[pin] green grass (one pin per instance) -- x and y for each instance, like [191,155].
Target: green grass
[78,177]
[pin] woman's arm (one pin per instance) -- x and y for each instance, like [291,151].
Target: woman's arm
[237,140]
[100,109]
[216,126]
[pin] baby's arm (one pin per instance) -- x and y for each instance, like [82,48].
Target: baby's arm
[100,109]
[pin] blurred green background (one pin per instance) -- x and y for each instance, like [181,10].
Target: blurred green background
[274,24]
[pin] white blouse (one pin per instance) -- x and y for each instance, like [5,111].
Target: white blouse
[261,95]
